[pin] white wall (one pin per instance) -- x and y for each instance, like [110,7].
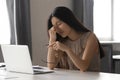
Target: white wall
[40,10]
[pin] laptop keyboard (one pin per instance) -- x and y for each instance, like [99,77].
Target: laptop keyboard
[37,67]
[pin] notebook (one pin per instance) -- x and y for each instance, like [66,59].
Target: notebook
[17,59]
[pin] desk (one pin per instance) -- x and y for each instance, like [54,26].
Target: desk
[60,75]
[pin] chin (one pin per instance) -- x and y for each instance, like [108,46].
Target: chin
[64,36]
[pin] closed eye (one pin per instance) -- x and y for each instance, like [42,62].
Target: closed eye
[59,24]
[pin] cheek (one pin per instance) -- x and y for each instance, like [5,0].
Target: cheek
[67,29]
[64,28]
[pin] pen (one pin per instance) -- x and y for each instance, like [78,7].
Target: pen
[48,45]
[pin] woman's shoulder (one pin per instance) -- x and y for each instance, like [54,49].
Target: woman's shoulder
[86,35]
[90,35]
[92,39]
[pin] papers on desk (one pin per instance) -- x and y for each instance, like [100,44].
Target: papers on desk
[4,75]
[2,66]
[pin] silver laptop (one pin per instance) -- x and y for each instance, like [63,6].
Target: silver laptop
[17,59]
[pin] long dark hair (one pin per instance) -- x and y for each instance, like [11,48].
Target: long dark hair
[66,15]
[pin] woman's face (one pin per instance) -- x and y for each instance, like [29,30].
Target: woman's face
[61,28]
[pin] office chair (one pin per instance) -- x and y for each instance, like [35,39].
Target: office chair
[107,61]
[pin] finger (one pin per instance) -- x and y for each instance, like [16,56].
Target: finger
[55,47]
[50,45]
[54,28]
[56,54]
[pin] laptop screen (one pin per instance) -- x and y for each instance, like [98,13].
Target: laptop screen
[17,58]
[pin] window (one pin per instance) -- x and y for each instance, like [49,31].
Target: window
[116,19]
[106,23]
[4,24]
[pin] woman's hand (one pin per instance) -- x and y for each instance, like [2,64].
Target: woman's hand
[59,46]
[52,34]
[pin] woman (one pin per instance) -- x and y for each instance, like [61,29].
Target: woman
[71,45]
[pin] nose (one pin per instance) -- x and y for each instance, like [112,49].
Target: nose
[57,28]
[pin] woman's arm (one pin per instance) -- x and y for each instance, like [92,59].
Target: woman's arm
[53,57]
[90,50]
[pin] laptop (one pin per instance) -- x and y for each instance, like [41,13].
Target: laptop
[17,59]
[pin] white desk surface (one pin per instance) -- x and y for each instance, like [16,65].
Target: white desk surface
[60,75]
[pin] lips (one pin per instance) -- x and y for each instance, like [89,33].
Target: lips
[60,32]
